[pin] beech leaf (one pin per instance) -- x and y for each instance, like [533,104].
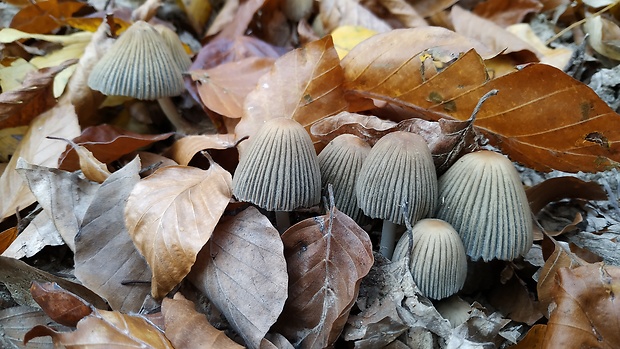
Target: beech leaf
[243,272]
[327,256]
[558,188]
[171,214]
[15,322]
[92,168]
[62,306]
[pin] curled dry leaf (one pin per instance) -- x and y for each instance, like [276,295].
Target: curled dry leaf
[558,188]
[224,88]
[92,168]
[188,329]
[62,306]
[184,149]
[305,85]
[336,13]
[40,233]
[171,214]
[59,121]
[243,272]
[106,329]
[327,256]
[103,234]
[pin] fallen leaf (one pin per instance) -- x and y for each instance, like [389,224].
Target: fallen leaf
[514,300]
[225,17]
[44,16]
[19,107]
[243,272]
[224,88]
[34,148]
[188,329]
[427,8]
[171,214]
[107,143]
[558,188]
[106,329]
[198,13]
[90,24]
[405,12]
[337,13]
[534,338]
[184,149]
[558,57]
[6,238]
[17,276]
[305,85]
[16,321]
[505,13]
[63,307]
[603,36]
[102,234]
[41,232]
[92,168]
[54,190]
[327,256]
[347,36]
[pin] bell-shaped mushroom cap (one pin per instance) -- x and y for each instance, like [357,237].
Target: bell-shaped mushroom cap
[481,195]
[340,163]
[180,57]
[399,169]
[138,65]
[437,258]
[279,170]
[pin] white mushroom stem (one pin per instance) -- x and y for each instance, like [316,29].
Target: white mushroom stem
[388,239]
[170,110]
[282,221]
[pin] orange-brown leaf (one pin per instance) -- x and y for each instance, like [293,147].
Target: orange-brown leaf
[7,237]
[62,306]
[171,214]
[558,188]
[183,150]
[505,13]
[43,17]
[327,256]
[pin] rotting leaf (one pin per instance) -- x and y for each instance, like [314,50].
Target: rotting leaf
[305,85]
[243,272]
[327,256]
[171,214]
[188,329]
[62,306]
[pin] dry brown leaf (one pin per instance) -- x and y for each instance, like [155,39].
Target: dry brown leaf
[337,13]
[604,36]
[491,35]
[558,188]
[224,88]
[427,8]
[404,12]
[171,214]
[558,123]
[305,85]
[103,234]
[224,17]
[59,121]
[7,237]
[39,233]
[327,256]
[92,168]
[505,13]
[188,329]
[243,272]
[19,107]
[62,306]
[183,150]
[513,299]
[106,329]
[16,321]
[368,127]
[44,16]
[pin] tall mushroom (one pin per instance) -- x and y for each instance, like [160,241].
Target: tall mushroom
[279,170]
[398,170]
[340,162]
[140,65]
[482,197]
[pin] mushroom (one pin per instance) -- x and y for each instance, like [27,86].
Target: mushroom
[279,170]
[398,170]
[138,65]
[481,195]
[437,258]
[180,57]
[340,162]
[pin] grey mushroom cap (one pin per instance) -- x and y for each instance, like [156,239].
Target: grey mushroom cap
[437,258]
[399,169]
[481,195]
[340,163]
[279,171]
[180,57]
[138,65]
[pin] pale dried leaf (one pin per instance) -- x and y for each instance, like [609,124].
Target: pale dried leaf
[336,13]
[39,233]
[16,321]
[171,214]
[184,149]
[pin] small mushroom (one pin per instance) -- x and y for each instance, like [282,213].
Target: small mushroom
[180,57]
[437,258]
[398,170]
[340,162]
[138,65]
[279,171]
[482,197]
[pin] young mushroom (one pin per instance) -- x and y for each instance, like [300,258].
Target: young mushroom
[279,170]
[138,65]
[340,162]
[181,59]
[437,258]
[398,170]
[482,197]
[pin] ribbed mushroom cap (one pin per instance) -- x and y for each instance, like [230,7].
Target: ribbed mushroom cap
[175,45]
[399,168]
[340,163]
[279,171]
[138,65]
[437,261]
[481,195]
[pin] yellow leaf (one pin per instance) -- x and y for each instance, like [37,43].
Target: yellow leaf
[348,36]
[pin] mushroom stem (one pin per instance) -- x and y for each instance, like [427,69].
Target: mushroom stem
[170,110]
[388,238]
[282,221]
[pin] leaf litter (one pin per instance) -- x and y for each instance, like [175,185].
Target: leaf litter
[147,236]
